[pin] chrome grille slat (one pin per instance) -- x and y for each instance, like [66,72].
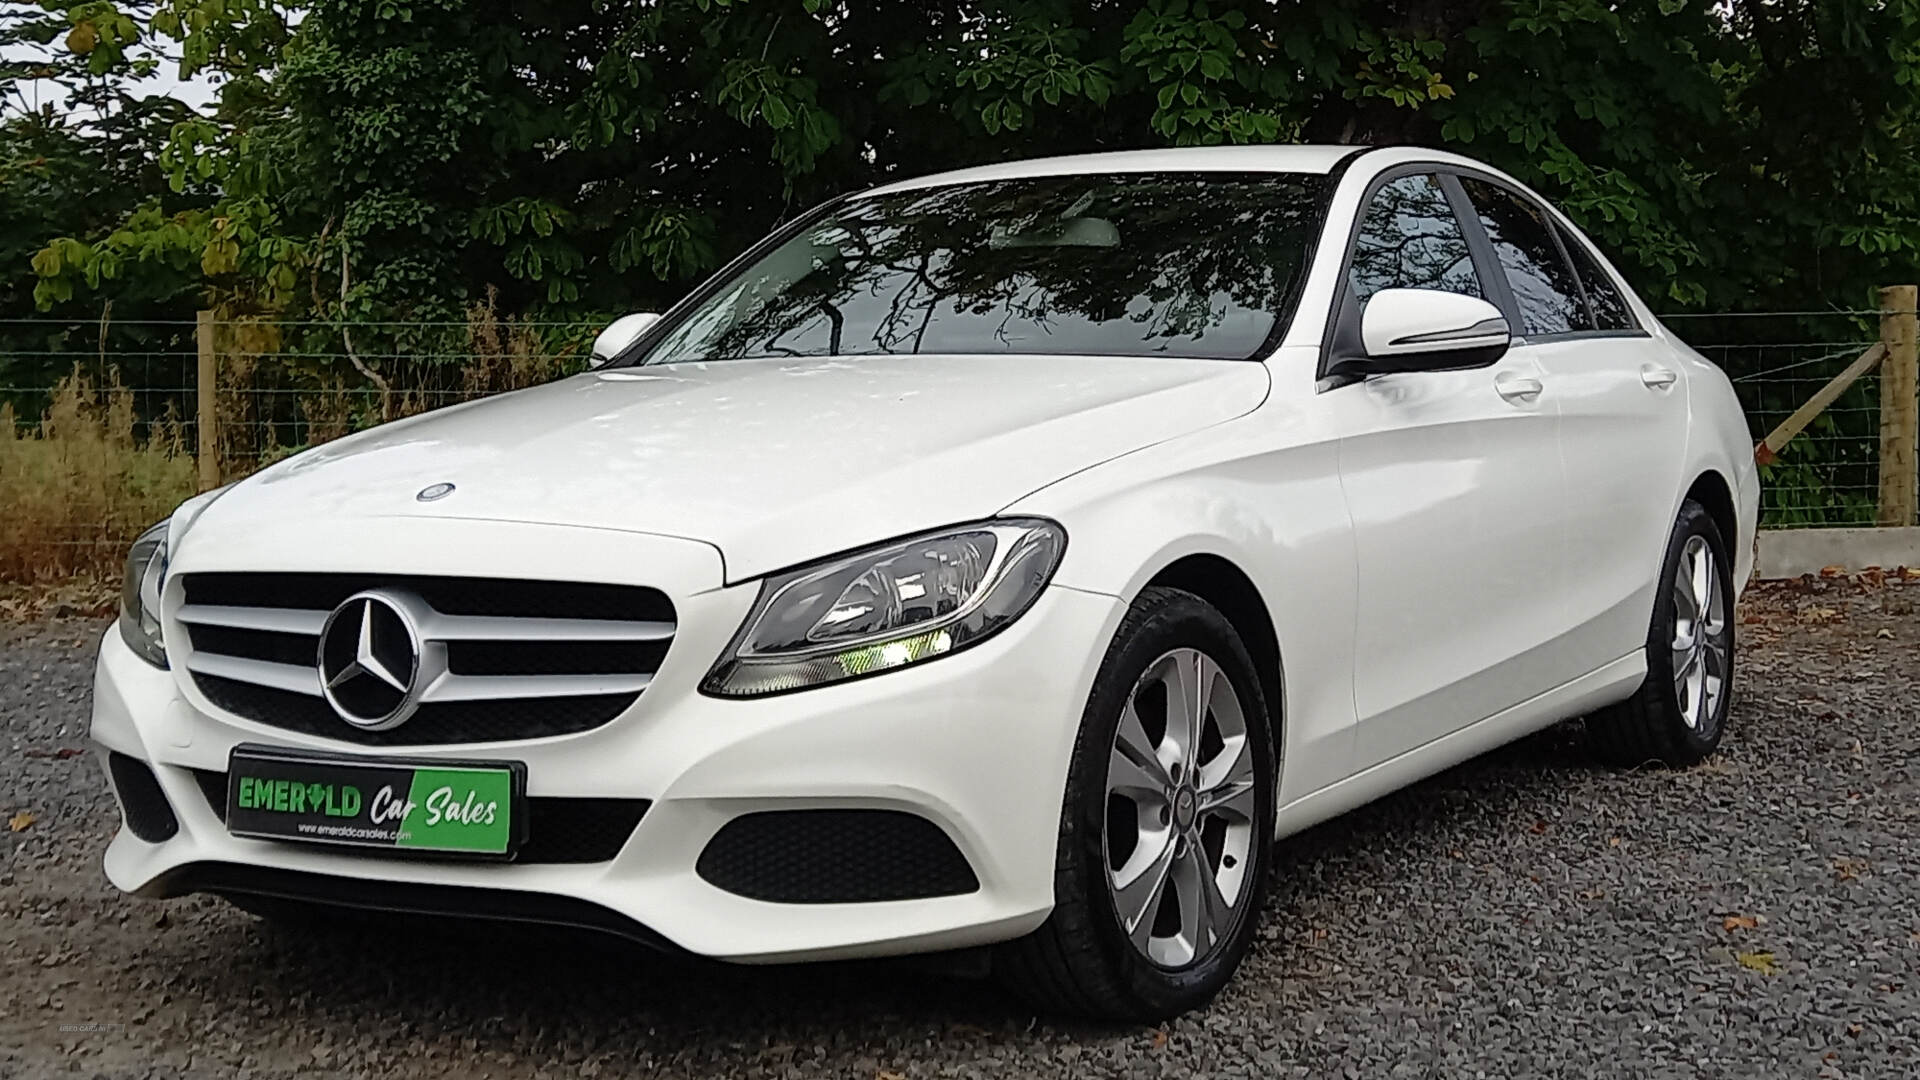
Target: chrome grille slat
[489,687]
[503,658]
[508,628]
[299,680]
[276,620]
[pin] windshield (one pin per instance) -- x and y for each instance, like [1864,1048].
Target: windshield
[1193,265]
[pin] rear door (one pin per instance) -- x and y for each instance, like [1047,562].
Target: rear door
[1622,419]
[1454,483]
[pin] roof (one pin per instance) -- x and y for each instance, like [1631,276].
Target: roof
[1318,160]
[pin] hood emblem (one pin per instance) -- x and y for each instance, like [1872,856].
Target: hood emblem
[370,661]
[434,492]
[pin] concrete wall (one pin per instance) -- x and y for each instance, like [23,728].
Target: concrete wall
[1786,553]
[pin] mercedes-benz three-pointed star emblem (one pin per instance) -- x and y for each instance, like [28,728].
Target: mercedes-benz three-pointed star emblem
[370,660]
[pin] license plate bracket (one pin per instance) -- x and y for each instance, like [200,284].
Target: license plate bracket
[404,805]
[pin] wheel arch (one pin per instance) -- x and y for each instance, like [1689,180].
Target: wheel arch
[1715,495]
[1221,582]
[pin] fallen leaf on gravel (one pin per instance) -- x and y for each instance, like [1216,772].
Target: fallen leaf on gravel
[884,1074]
[1855,1029]
[1613,841]
[20,821]
[1160,1038]
[1835,570]
[1844,869]
[1762,962]
[1740,922]
[1819,614]
[1883,633]
[1540,827]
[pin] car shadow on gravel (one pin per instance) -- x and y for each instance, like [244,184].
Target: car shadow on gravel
[529,986]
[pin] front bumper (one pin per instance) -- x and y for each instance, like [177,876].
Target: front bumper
[977,743]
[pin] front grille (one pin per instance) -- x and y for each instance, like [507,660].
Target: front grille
[559,830]
[515,659]
[142,803]
[834,857]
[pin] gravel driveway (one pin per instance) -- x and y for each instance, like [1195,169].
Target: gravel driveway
[1528,914]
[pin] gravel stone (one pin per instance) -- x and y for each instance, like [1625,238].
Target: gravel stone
[1527,914]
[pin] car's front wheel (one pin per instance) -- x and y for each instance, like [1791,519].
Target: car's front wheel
[1166,827]
[1679,714]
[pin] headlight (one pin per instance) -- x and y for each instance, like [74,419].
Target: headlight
[888,607]
[140,595]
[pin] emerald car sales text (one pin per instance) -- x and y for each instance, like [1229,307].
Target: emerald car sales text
[289,796]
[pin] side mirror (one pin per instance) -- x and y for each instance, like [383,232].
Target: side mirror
[620,334]
[1429,330]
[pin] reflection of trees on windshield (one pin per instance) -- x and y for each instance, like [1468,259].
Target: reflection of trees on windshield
[1410,239]
[1127,265]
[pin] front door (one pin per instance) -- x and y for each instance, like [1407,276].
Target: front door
[1456,488]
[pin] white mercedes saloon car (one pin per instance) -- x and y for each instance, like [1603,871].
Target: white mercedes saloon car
[998,560]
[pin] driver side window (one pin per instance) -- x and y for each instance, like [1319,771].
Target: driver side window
[1411,239]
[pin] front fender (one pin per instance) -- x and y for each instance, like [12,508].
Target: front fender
[1264,494]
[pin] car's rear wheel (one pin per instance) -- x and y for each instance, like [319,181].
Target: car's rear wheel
[1166,827]
[1679,715]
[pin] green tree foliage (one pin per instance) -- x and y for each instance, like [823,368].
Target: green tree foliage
[80,133]
[397,159]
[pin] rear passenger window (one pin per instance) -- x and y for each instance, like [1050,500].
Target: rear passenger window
[1542,282]
[1609,307]
[1410,239]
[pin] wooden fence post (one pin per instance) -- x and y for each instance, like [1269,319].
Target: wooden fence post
[1899,405]
[205,418]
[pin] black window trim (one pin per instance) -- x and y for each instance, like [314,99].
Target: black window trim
[1343,317]
[1342,331]
[1569,236]
[1555,229]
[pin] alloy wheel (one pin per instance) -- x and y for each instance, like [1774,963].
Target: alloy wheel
[1700,647]
[1180,809]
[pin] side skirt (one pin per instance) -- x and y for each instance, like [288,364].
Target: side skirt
[1610,683]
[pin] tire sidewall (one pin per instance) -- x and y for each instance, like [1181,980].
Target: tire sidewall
[1180,620]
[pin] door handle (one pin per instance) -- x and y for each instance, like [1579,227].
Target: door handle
[1517,388]
[1657,377]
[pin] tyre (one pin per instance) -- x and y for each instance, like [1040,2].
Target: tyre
[1679,714]
[1166,827]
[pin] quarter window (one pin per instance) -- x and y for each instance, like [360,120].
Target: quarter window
[1410,239]
[1543,284]
[1609,307]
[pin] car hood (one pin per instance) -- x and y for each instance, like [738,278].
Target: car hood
[774,462]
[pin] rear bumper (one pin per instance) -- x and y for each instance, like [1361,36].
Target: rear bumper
[976,743]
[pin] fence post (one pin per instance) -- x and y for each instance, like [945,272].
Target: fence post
[1899,405]
[205,419]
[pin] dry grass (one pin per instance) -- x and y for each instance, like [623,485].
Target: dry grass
[79,486]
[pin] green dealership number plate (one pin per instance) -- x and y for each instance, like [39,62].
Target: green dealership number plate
[419,805]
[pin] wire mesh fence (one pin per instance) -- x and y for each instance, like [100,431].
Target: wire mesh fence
[1828,475]
[100,423]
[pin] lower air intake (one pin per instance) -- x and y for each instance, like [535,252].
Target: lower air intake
[145,806]
[835,857]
